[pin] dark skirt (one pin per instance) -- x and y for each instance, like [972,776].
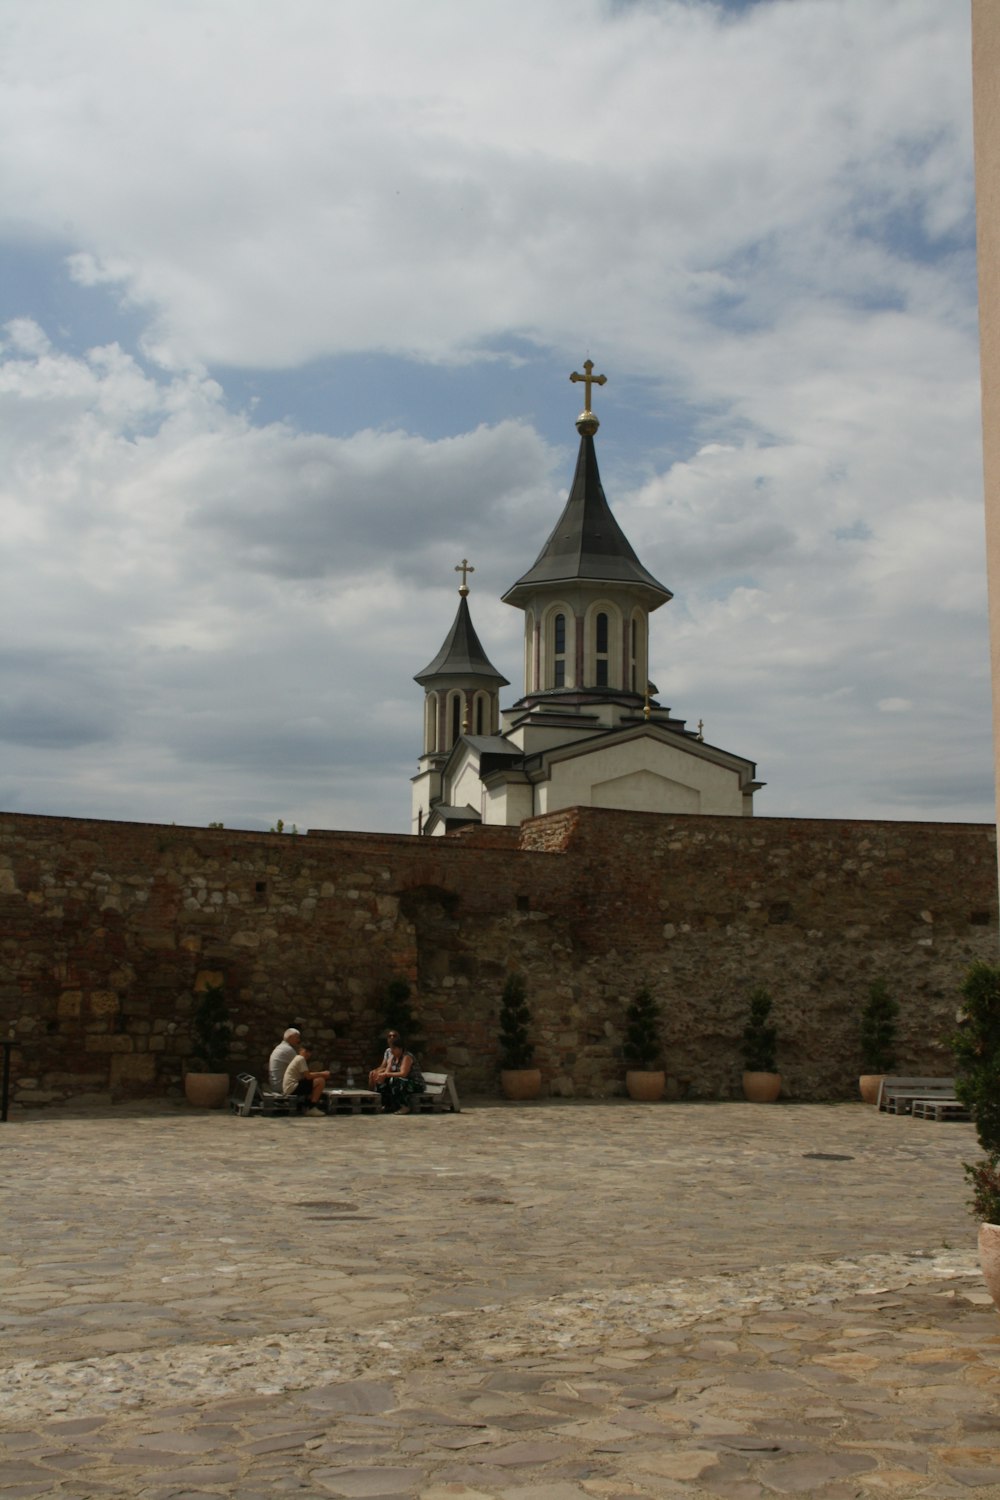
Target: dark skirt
[396,1092]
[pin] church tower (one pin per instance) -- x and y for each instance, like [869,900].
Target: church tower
[587,598]
[587,730]
[461,697]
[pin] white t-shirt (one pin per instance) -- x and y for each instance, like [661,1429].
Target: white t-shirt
[296,1069]
[278,1062]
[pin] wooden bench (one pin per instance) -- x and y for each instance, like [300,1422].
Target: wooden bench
[939,1109]
[440,1095]
[896,1094]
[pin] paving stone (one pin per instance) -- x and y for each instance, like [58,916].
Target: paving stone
[368,1484]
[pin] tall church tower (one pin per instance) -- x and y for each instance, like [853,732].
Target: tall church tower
[587,599]
[461,697]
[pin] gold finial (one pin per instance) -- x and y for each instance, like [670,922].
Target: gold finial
[464,567]
[586,423]
[646,709]
[701,731]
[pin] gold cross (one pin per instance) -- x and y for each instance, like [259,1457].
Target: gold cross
[464,567]
[588,380]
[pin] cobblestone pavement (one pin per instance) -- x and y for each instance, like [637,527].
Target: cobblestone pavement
[558,1301]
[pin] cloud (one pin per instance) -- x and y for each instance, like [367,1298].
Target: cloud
[382,178]
[759,218]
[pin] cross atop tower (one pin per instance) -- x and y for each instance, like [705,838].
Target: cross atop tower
[588,379]
[464,567]
[586,423]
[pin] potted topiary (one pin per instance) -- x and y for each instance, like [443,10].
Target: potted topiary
[518,1079]
[642,1048]
[878,1039]
[976,1046]
[761,1083]
[206,1079]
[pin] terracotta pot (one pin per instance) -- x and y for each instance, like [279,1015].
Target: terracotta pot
[521,1083]
[761,1088]
[206,1090]
[989,1259]
[869,1084]
[646,1086]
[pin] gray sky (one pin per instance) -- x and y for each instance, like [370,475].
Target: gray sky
[291,295]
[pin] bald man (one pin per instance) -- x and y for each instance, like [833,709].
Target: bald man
[284,1052]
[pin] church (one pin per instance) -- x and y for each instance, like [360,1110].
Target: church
[587,729]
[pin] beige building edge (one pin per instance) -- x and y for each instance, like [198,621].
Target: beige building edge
[986,124]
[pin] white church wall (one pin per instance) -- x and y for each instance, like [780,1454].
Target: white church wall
[689,782]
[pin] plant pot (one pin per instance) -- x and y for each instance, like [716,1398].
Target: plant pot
[643,1085]
[869,1084]
[206,1090]
[989,1259]
[761,1088]
[521,1083]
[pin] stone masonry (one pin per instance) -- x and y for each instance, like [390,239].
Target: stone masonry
[107,928]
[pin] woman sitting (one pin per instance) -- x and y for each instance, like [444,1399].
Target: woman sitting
[402,1079]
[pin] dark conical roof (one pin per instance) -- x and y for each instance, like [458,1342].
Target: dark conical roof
[461,655]
[587,542]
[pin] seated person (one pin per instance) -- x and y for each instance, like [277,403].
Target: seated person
[377,1075]
[300,1082]
[401,1082]
[282,1055]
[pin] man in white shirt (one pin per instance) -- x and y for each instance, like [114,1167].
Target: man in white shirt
[284,1052]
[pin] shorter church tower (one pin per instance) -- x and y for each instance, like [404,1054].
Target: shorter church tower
[461,697]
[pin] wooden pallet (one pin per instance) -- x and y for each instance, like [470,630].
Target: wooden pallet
[352,1101]
[938,1109]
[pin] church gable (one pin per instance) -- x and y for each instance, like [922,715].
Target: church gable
[640,791]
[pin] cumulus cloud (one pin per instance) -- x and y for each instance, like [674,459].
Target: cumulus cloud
[760,220]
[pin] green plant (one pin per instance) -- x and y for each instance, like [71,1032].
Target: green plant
[759,1039]
[398,1015]
[976,1045]
[642,1031]
[984,1179]
[516,1051]
[211,1031]
[279,827]
[878,1029]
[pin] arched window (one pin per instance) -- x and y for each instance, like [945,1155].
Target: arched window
[456,718]
[601,650]
[481,718]
[557,639]
[530,682]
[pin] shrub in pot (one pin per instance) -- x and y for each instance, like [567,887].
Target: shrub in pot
[976,1045]
[643,1080]
[761,1081]
[518,1079]
[878,1039]
[206,1079]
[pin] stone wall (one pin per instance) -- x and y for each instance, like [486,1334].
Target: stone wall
[106,929]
